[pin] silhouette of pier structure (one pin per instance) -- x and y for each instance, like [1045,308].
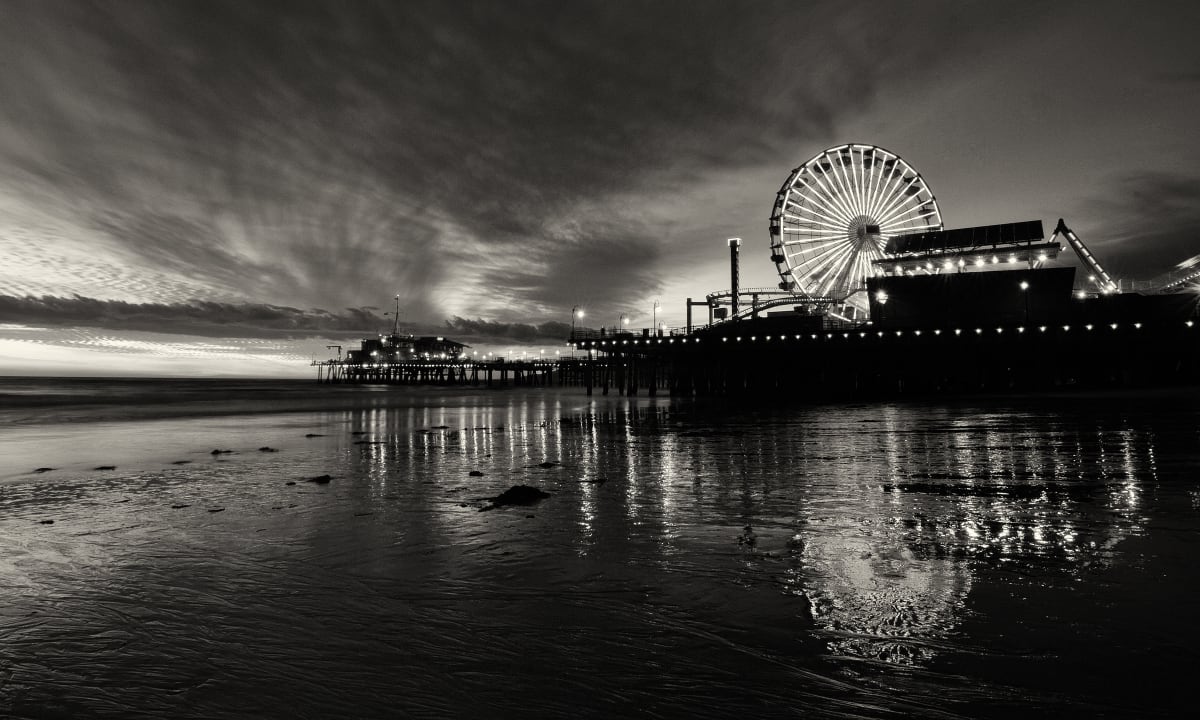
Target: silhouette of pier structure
[883,302]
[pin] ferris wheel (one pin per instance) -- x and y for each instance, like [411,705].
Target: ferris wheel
[834,215]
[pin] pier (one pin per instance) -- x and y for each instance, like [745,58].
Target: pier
[498,373]
[880,303]
[796,359]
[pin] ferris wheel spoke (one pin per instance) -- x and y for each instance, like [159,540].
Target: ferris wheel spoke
[834,221]
[828,200]
[860,168]
[812,221]
[845,184]
[872,203]
[852,180]
[813,265]
[817,274]
[901,209]
[837,195]
[810,246]
[903,212]
[898,222]
[848,171]
[809,234]
[872,179]
[897,201]
[886,192]
[832,282]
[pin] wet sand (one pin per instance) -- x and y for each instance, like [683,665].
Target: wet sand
[991,559]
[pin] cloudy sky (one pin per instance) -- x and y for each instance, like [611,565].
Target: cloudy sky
[226,187]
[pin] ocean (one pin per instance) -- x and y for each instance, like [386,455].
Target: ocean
[957,557]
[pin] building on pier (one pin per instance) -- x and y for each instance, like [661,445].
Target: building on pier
[396,348]
[876,297]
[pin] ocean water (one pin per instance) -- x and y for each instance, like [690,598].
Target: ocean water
[986,557]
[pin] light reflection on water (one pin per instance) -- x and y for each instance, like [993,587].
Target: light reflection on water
[892,548]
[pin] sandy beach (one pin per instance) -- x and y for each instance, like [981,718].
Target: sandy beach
[689,560]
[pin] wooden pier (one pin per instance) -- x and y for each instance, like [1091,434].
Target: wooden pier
[487,374]
[1101,345]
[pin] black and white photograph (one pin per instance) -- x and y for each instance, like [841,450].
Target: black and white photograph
[668,359]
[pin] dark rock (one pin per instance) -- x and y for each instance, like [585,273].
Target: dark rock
[181,462]
[547,465]
[105,467]
[45,522]
[517,495]
[267,448]
[358,432]
[179,507]
[221,452]
[475,473]
[322,479]
[529,516]
[441,427]
[290,482]
[362,514]
[314,435]
[370,442]
[216,509]
[43,469]
[276,507]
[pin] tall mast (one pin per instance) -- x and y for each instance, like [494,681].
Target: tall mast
[396,318]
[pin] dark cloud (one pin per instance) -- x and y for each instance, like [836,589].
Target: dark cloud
[1144,223]
[484,331]
[464,155]
[252,320]
[1184,78]
[208,319]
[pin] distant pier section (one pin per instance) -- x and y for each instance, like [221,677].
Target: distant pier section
[397,359]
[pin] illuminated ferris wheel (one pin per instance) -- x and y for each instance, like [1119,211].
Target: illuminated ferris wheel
[834,215]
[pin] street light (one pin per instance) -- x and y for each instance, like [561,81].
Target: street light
[1025,292]
[575,313]
[881,297]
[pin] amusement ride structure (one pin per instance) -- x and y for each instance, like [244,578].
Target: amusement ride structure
[855,212]
[834,215]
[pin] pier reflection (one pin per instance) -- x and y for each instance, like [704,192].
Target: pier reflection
[876,521]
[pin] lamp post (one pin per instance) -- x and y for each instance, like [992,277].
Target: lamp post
[1025,292]
[622,322]
[654,315]
[575,313]
[881,297]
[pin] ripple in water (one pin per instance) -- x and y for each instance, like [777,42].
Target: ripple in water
[692,560]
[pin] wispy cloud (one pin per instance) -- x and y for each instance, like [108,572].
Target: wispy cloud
[1144,222]
[242,322]
[208,319]
[482,158]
